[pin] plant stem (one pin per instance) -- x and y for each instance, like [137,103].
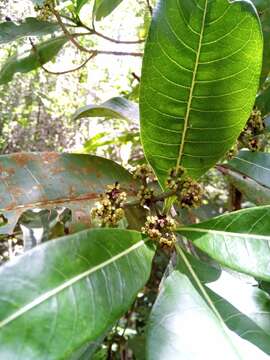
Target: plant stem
[71,37]
[157,198]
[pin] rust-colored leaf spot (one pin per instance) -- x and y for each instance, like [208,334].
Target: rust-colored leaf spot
[50,157]
[23,159]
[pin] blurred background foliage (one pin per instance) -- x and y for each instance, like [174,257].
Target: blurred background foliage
[36,108]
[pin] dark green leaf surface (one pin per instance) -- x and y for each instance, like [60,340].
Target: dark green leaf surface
[255,192]
[47,180]
[31,59]
[263,8]
[200,76]
[103,8]
[67,292]
[10,31]
[115,108]
[239,240]
[255,165]
[184,327]
[263,100]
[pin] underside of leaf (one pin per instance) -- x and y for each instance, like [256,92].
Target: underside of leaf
[200,76]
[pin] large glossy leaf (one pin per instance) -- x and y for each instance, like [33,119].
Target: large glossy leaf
[239,240]
[115,108]
[200,75]
[184,327]
[103,8]
[247,315]
[253,191]
[67,292]
[31,59]
[46,180]
[10,31]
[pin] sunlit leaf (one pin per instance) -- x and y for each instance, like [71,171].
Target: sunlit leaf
[10,31]
[200,76]
[115,108]
[103,8]
[31,59]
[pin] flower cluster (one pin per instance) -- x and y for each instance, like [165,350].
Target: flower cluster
[110,207]
[160,229]
[146,196]
[190,195]
[175,178]
[188,191]
[252,135]
[44,10]
[145,174]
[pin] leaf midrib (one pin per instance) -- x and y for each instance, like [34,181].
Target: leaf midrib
[186,121]
[44,297]
[223,233]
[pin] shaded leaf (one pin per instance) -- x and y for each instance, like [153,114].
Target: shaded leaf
[255,165]
[103,8]
[47,180]
[10,31]
[255,192]
[31,59]
[38,226]
[263,99]
[83,284]
[264,12]
[239,240]
[214,51]
[115,108]
[183,326]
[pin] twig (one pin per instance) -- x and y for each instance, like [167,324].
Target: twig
[136,77]
[59,72]
[149,7]
[70,70]
[93,31]
[82,48]
[154,200]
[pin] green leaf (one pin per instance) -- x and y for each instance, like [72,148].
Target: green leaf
[183,326]
[103,8]
[256,165]
[10,31]
[67,292]
[249,172]
[115,108]
[200,76]
[247,315]
[239,240]
[255,192]
[31,59]
[47,180]
[80,4]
